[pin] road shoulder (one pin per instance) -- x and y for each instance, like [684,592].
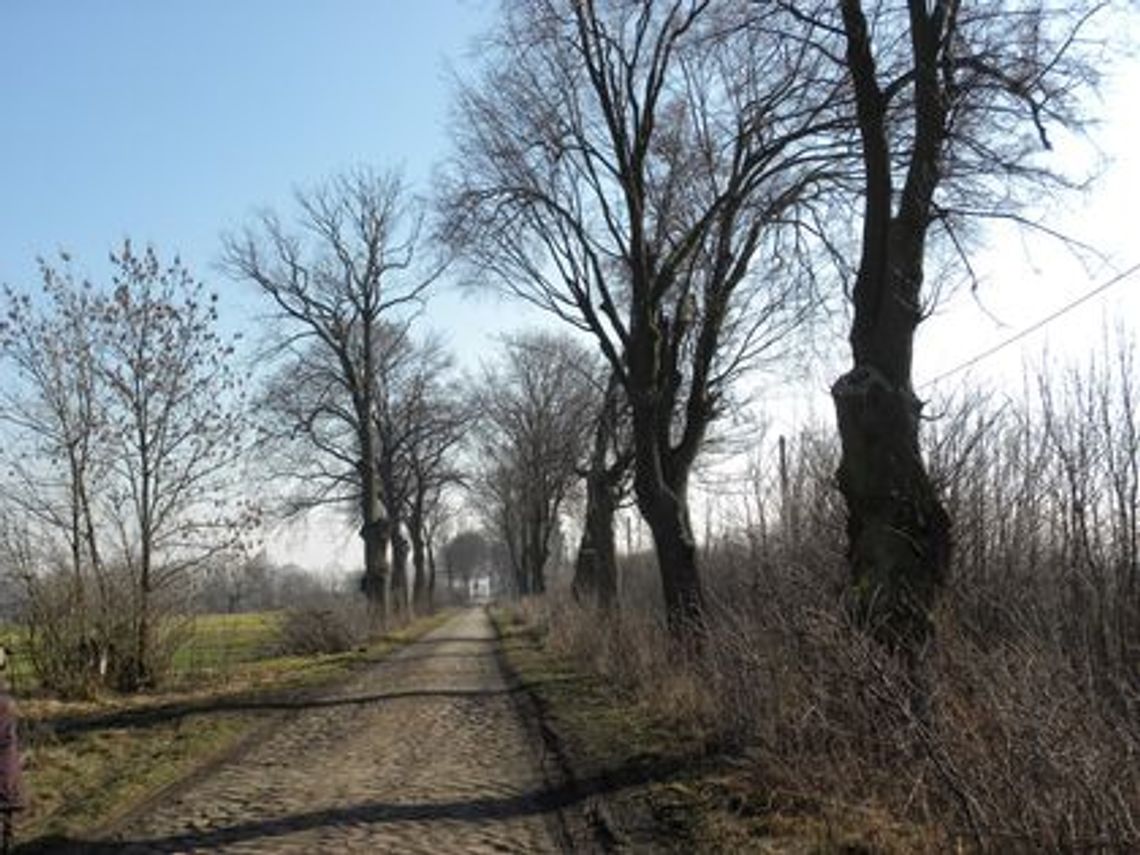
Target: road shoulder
[626,781]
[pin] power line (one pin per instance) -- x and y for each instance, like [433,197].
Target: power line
[1032,328]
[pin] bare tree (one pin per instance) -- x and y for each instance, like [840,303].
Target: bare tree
[130,393]
[535,409]
[352,264]
[627,166]
[52,408]
[1090,428]
[1043,486]
[173,432]
[953,103]
[55,410]
[418,423]
[397,377]
[465,555]
[439,418]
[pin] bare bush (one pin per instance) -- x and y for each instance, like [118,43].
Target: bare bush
[323,629]
[1014,750]
[1021,731]
[80,646]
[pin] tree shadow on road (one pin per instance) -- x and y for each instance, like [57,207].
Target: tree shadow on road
[276,702]
[442,639]
[152,716]
[635,773]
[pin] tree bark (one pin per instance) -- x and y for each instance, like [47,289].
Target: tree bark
[375,529]
[399,568]
[420,569]
[595,571]
[539,535]
[374,582]
[141,675]
[676,549]
[416,531]
[897,529]
[661,471]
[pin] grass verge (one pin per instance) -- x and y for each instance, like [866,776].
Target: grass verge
[88,764]
[634,774]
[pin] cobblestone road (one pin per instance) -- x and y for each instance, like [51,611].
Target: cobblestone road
[423,753]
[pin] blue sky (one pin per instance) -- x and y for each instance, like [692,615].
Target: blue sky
[171,122]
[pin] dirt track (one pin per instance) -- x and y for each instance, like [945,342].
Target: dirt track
[425,752]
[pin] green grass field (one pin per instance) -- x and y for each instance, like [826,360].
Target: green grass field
[217,642]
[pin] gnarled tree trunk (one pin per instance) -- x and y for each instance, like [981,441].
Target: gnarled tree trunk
[595,571]
[898,532]
[374,582]
[400,552]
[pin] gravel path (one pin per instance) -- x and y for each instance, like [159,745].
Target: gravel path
[423,753]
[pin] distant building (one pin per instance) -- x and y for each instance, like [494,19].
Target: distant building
[479,588]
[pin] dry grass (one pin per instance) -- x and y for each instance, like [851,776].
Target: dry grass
[827,742]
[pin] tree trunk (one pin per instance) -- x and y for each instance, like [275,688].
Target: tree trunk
[76,534]
[662,499]
[898,532]
[374,582]
[676,552]
[538,555]
[399,569]
[416,532]
[419,569]
[375,528]
[516,544]
[595,571]
[138,674]
[523,576]
[661,470]
[667,513]
[430,574]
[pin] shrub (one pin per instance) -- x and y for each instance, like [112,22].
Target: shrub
[322,629]
[1000,743]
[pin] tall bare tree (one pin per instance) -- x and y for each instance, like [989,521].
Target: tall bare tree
[351,264]
[418,424]
[953,102]
[535,411]
[131,389]
[439,418]
[173,430]
[54,407]
[627,166]
[52,413]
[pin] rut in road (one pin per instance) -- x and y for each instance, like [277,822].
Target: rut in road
[424,752]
